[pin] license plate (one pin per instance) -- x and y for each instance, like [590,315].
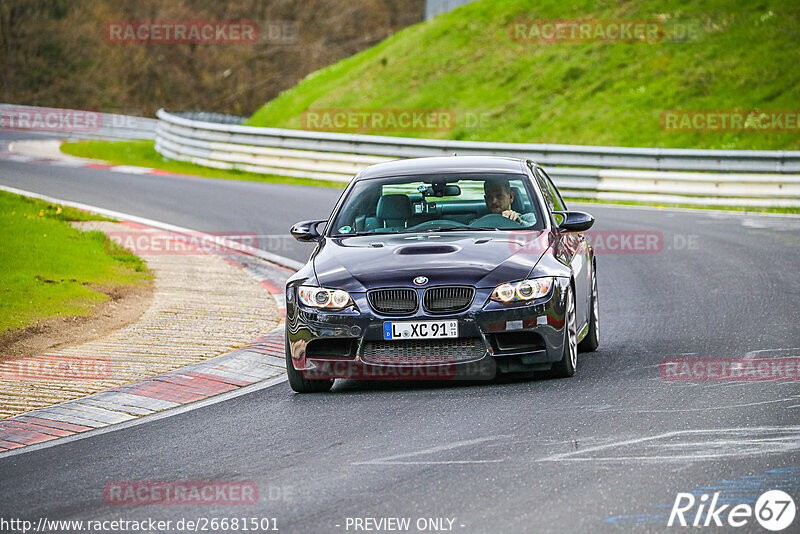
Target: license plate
[420,329]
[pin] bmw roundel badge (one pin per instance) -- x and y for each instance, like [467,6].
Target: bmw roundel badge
[420,280]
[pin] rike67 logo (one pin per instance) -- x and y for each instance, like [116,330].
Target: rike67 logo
[774,510]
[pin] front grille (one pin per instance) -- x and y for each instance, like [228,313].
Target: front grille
[424,351]
[450,299]
[393,301]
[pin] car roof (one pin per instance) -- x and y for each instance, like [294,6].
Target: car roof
[435,165]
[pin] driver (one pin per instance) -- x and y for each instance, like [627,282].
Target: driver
[499,196]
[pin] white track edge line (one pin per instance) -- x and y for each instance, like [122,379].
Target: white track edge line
[222,397]
[169,412]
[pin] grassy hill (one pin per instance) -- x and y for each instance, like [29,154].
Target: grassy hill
[736,56]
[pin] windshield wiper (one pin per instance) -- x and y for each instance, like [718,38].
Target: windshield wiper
[448,229]
[354,234]
[420,231]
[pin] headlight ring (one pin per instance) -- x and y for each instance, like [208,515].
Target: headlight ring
[324,298]
[524,290]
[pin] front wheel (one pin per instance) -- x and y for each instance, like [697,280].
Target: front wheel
[565,367]
[298,382]
[592,339]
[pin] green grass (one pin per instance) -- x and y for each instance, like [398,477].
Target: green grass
[60,213]
[49,269]
[143,154]
[741,56]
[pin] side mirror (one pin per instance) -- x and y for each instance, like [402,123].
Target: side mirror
[306,231]
[574,221]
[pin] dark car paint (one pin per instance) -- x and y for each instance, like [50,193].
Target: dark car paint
[484,318]
[483,259]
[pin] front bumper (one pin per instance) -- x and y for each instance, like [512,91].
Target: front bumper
[505,337]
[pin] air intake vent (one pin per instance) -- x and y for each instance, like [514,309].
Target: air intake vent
[428,249]
[423,351]
[448,299]
[393,301]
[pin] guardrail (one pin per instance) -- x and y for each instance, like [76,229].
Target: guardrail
[757,178]
[75,123]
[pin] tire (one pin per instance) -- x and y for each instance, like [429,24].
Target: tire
[565,367]
[299,383]
[592,339]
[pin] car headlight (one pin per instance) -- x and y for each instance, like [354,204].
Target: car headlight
[320,297]
[523,290]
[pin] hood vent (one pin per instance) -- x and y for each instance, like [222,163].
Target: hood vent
[427,249]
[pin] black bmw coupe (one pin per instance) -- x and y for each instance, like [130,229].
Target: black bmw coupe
[442,268]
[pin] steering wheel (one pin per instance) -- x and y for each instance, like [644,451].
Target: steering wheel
[443,223]
[494,220]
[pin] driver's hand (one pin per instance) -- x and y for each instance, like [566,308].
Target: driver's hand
[511,214]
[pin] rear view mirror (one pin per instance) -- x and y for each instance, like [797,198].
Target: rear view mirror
[574,221]
[451,190]
[442,190]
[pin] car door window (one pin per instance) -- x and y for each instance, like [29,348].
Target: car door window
[551,195]
[558,202]
[545,189]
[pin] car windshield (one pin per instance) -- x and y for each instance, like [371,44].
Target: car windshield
[450,202]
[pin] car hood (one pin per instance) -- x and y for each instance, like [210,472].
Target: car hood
[481,259]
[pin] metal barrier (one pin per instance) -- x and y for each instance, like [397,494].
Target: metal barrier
[756,178]
[437,7]
[686,176]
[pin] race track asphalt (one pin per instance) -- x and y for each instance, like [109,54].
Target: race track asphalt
[605,451]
